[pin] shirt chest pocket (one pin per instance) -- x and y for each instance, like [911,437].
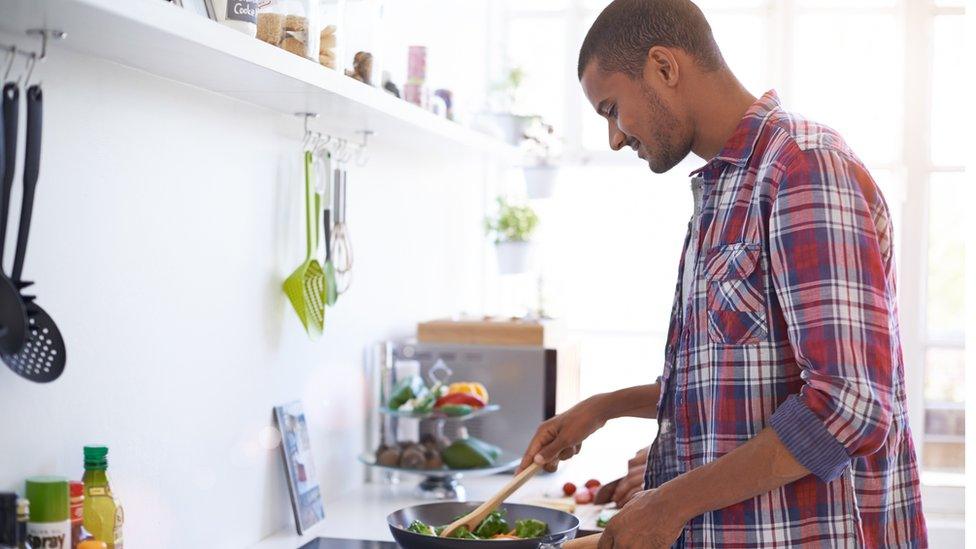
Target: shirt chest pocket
[736,296]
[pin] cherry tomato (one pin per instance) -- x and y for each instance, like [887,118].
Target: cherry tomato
[569,488]
[592,483]
[583,497]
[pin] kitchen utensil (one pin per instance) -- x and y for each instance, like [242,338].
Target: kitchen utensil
[305,287]
[331,291]
[43,357]
[562,526]
[341,247]
[323,173]
[585,542]
[13,314]
[605,493]
[474,518]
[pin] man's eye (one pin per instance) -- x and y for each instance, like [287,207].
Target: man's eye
[612,111]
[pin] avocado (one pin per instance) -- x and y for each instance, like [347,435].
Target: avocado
[470,453]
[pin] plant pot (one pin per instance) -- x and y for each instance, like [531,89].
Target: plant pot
[506,126]
[513,257]
[540,180]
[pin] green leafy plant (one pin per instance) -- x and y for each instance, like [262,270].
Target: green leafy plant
[505,91]
[512,223]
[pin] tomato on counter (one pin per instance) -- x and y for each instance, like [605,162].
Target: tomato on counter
[569,488]
[592,483]
[584,497]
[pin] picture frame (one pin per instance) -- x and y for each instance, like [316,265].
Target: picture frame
[204,8]
[300,473]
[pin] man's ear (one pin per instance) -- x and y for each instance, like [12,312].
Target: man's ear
[662,66]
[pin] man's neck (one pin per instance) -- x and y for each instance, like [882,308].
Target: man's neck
[723,101]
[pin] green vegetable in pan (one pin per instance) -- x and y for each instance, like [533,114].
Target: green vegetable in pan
[418,527]
[530,528]
[493,527]
[493,524]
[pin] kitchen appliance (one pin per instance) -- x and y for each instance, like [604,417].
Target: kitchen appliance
[562,525]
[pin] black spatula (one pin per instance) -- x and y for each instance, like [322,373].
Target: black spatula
[43,357]
[13,315]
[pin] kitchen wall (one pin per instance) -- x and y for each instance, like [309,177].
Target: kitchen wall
[166,219]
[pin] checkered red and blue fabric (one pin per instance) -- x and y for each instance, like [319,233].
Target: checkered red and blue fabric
[792,323]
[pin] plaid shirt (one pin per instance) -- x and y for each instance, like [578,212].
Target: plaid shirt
[792,323]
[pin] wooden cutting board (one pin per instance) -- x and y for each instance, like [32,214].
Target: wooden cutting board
[587,514]
[491,331]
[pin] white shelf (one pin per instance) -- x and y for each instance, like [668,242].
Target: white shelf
[168,41]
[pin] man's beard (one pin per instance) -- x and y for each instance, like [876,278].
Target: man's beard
[662,156]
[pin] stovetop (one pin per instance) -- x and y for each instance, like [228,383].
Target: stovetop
[334,543]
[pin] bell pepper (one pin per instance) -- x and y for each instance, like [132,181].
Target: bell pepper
[471,388]
[459,398]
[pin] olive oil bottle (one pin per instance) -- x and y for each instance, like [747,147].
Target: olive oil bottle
[103,515]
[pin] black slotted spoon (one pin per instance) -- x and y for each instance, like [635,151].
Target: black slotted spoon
[43,357]
[13,314]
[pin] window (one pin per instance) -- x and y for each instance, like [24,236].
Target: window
[612,234]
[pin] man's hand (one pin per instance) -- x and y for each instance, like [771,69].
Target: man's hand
[634,481]
[648,521]
[561,437]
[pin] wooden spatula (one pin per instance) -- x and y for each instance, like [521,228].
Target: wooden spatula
[585,542]
[474,518]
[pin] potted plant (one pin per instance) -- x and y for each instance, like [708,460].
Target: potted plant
[512,227]
[541,170]
[502,118]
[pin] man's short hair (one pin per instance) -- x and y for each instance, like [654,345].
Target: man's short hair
[626,29]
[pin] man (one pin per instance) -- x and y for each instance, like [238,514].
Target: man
[782,412]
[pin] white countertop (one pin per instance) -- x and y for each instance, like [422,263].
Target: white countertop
[361,513]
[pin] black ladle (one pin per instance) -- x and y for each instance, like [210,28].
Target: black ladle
[13,314]
[43,357]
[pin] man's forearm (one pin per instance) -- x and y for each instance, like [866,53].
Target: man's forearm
[640,401]
[758,466]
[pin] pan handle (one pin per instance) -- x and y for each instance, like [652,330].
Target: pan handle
[585,542]
[32,166]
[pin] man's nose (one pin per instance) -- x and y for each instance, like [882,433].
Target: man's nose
[617,138]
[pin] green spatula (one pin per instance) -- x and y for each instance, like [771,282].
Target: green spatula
[305,287]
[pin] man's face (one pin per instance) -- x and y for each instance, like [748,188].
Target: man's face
[637,117]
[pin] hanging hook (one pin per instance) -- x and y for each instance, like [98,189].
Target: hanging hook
[46,34]
[31,63]
[10,62]
[362,155]
[307,135]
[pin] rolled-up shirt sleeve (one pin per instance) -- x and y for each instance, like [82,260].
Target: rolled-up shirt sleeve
[828,269]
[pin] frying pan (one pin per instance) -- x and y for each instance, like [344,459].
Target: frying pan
[562,525]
